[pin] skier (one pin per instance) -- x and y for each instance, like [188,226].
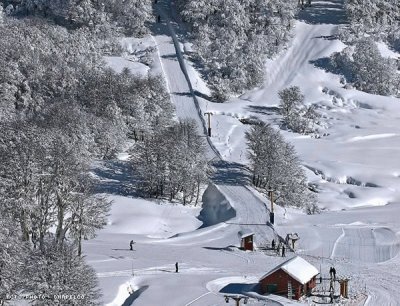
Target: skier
[273,244]
[131,244]
[176,267]
[334,273]
[283,251]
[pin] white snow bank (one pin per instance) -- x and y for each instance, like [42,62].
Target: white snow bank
[139,56]
[118,64]
[138,216]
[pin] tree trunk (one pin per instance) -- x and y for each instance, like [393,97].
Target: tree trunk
[198,194]
[24,226]
[60,220]
[80,239]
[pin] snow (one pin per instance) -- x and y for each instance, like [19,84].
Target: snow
[142,217]
[139,56]
[353,165]
[298,268]
[245,233]
[118,64]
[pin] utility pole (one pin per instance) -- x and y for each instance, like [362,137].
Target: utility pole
[209,122]
[271,214]
[271,198]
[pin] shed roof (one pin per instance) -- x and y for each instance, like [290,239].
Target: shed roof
[245,233]
[298,268]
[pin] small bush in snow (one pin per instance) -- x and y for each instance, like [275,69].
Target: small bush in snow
[311,207]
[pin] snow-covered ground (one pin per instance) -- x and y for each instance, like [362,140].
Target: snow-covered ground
[354,166]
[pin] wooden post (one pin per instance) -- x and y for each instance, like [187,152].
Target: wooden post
[209,123]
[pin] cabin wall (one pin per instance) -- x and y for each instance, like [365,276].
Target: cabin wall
[279,280]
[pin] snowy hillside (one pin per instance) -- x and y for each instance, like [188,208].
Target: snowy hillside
[352,162]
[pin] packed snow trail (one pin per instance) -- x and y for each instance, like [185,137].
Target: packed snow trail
[305,46]
[178,82]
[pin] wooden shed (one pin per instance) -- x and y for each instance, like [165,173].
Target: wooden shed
[293,278]
[246,240]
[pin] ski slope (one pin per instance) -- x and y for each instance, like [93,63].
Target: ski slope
[355,168]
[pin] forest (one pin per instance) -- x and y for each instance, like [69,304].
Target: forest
[233,39]
[61,108]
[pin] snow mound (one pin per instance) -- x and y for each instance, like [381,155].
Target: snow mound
[216,208]
[367,244]
[369,137]
[137,216]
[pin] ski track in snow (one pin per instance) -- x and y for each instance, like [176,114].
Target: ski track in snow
[198,298]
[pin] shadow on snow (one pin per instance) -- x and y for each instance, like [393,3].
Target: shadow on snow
[324,12]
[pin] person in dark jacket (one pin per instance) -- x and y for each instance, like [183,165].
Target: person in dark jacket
[273,244]
[131,245]
[176,267]
[283,251]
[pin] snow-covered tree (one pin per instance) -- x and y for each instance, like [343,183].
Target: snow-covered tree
[377,18]
[276,167]
[171,163]
[12,260]
[372,72]
[232,39]
[128,16]
[296,115]
[61,277]
[365,68]
[88,213]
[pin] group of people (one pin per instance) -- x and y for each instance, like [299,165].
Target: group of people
[280,249]
[332,273]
